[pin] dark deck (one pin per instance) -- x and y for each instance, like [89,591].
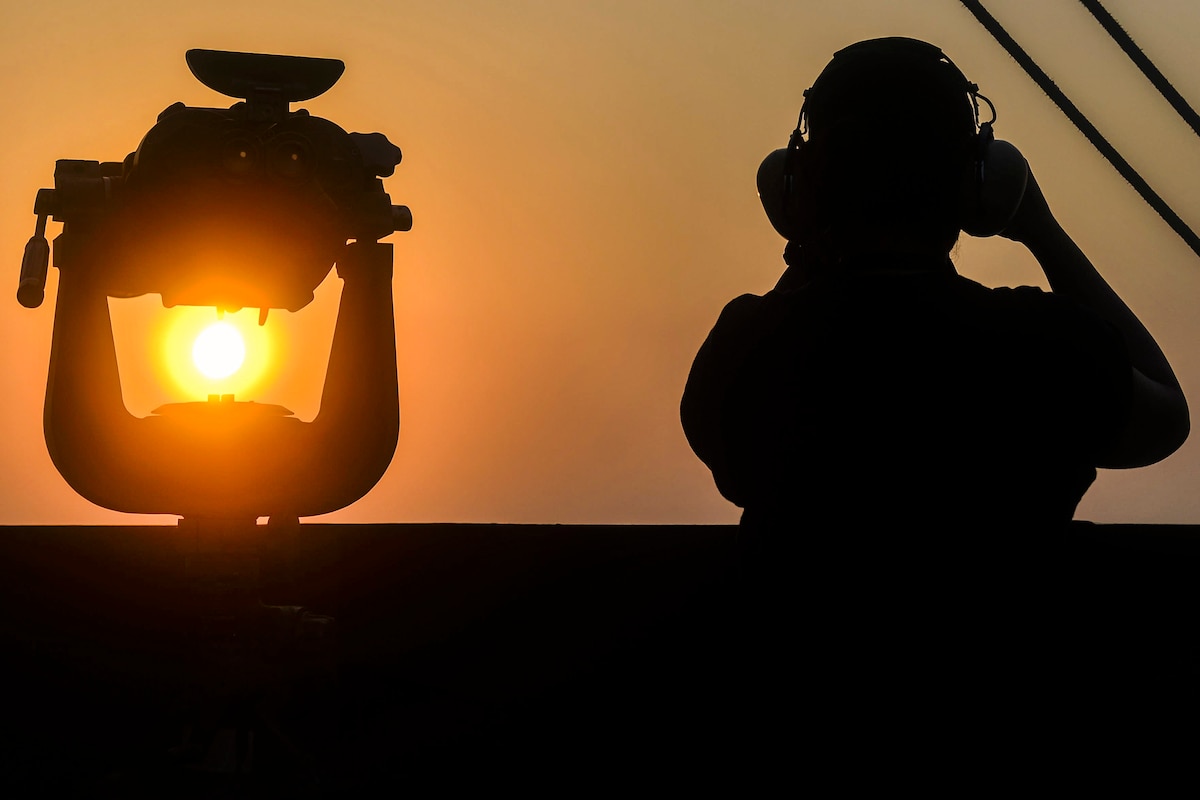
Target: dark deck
[462,652]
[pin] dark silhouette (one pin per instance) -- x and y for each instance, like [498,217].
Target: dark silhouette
[875,382]
[249,206]
[901,438]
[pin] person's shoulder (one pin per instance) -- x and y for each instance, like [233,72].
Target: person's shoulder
[1045,328]
[1027,305]
[1015,295]
[742,303]
[744,315]
[1054,328]
[1032,297]
[744,306]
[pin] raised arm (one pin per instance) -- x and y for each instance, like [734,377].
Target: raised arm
[1158,421]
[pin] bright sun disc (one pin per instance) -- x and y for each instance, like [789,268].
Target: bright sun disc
[219,350]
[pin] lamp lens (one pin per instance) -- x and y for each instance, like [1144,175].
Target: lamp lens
[239,156]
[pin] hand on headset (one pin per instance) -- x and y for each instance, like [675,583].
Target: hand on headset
[1032,216]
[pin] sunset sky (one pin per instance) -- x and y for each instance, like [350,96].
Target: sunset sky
[581,175]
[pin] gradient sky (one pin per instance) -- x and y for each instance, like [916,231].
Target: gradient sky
[582,179]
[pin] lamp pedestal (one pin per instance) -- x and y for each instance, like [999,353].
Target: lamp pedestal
[255,669]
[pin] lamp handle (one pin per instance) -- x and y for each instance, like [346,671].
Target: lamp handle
[34,266]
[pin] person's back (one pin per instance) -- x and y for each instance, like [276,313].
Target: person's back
[881,397]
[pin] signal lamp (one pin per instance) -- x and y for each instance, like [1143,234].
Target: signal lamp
[245,207]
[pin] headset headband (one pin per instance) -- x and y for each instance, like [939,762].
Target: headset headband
[889,48]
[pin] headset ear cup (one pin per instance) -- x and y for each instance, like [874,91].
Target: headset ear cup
[997,186]
[778,193]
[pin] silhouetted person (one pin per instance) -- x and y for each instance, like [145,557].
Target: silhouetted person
[900,436]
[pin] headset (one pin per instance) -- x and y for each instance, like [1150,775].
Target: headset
[991,192]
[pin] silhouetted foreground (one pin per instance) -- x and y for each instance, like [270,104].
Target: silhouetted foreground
[567,656]
[464,653]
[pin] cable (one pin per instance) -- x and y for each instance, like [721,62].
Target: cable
[1143,62]
[1083,124]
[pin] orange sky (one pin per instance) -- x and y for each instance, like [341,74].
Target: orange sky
[582,178]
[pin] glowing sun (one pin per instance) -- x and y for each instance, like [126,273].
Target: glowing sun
[219,350]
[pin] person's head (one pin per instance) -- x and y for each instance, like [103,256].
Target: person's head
[886,142]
